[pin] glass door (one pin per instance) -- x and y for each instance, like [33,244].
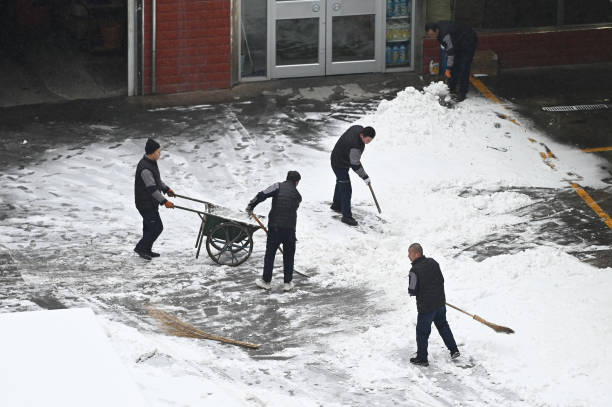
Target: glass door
[296,34]
[325,37]
[353,36]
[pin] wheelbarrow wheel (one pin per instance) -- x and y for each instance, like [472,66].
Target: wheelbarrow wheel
[229,244]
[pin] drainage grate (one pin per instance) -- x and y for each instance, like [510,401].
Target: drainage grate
[574,108]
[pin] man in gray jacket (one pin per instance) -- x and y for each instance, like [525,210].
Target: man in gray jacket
[148,195]
[346,155]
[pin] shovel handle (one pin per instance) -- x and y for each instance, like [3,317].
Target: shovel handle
[375,200]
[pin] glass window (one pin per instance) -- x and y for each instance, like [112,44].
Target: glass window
[253,48]
[349,44]
[587,12]
[509,14]
[297,41]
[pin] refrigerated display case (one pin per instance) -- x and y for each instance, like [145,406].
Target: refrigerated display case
[398,42]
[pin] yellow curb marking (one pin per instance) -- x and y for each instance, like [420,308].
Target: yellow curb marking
[549,154]
[597,149]
[591,202]
[489,95]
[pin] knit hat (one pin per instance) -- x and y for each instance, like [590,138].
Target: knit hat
[293,176]
[369,132]
[151,146]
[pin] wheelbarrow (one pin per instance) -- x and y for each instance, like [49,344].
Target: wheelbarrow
[229,242]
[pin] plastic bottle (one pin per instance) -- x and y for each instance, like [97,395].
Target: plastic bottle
[398,8]
[402,8]
[389,55]
[390,7]
[402,54]
[395,55]
[409,9]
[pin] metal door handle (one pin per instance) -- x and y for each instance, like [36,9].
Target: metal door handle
[336,6]
[316,7]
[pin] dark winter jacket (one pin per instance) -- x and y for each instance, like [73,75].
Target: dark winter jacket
[148,186]
[347,151]
[427,283]
[285,202]
[454,36]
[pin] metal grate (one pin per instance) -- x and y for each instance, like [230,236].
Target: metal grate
[574,108]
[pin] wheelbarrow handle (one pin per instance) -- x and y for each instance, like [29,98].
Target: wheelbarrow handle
[192,199]
[189,209]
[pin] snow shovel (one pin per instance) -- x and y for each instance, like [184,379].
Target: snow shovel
[375,200]
[281,250]
[495,327]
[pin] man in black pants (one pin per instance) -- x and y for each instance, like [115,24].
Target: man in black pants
[281,227]
[148,189]
[346,155]
[427,284]
[460,43]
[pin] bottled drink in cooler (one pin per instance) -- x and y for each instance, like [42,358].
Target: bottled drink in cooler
[402,54]
[389,55]
[390,7]
[395,54]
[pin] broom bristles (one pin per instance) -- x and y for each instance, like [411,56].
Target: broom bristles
[495,327]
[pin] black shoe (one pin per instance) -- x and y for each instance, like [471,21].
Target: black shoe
[455,354]
[335,208]
[459,98]
[142,254]
[349,221]
[153,254]
[419,362]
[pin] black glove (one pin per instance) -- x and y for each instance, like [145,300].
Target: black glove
[249,209]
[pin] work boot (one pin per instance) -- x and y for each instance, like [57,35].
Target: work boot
[419,362]
[349,221]
[335,208]
[262,284]
[153,254]
[455,354]
[142,254]
[288,286]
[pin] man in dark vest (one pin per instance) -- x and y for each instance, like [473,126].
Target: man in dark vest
[427,284]
[148,193]
[281,227]
[460,43]
[346,155]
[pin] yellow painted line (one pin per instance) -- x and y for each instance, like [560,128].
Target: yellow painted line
[589,201]
[597,149]
[549,154]
[489,95]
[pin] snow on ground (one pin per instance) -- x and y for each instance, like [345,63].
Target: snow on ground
[444,178]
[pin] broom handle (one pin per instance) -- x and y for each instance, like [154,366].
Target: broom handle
[279,248]
[459,309]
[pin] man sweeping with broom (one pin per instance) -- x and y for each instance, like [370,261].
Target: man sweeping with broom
[427,284]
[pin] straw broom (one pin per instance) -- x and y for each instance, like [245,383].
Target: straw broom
[175,326]
[495,327]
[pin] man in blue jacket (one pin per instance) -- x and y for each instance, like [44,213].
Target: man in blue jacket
[281,227]
[427,284]
[148,194]
[460,43]
[346,155]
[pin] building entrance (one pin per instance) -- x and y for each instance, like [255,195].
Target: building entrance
[325,37]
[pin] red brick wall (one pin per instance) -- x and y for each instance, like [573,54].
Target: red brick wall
[519,50]
[193,45]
